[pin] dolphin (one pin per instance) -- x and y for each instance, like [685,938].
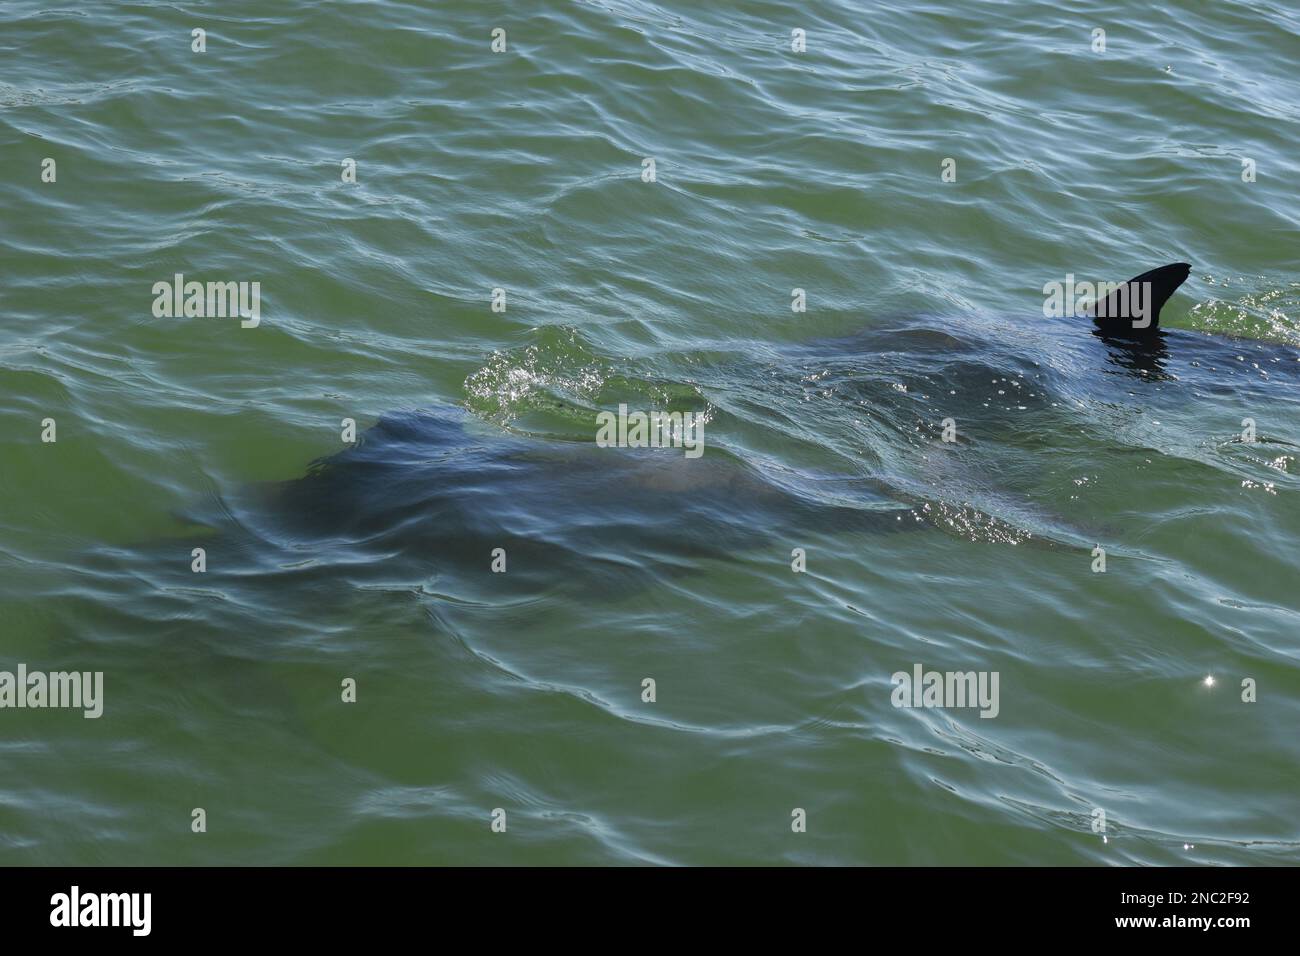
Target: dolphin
[438,494]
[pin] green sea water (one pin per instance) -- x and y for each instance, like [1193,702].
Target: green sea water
[524,169]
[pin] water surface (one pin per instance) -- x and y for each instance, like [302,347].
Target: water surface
[522,171]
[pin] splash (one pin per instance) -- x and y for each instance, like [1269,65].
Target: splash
[1251,308]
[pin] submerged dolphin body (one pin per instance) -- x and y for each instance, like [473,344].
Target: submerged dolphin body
[436,492]
[432,494]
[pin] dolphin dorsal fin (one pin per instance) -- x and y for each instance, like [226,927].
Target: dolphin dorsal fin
[1133,310]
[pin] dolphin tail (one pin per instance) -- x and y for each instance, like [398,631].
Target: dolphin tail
[1133,310]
